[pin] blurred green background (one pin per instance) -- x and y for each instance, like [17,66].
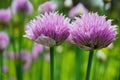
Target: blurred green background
[70,61]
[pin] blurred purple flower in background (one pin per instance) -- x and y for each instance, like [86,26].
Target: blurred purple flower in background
[11,55]
[5,15]
[36,50]
[50,29]
[22,6]
[92,31]
[26,58]
[23,54]
[78,10]
[4,40]
[46,47]
[47,57]
[48,6]
[28,63]
[5,69]
[11,78]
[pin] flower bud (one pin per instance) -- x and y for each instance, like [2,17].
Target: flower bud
[68,3]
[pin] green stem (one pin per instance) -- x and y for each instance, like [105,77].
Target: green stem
[59,57]
[12,35]
[20,63]
[1,65]
[51,63]
[13,42]
[79,60]
[95,66]
[89,65]
[41,56]
[20,69]
[21,31]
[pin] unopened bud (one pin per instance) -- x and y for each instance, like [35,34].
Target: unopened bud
[68,3]
[101,56]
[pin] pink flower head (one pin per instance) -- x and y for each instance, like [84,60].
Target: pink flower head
[11,55]
[50,29]
[36,50]
[48,6]
[5,69]
[12,78]
[47,57]
[92,31]
[78,10]
[22,6]
[5,15]
[4,40]
[26,58]
[23,54]
[46,47]
[27,63]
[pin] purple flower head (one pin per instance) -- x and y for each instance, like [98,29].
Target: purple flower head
[22,6]
[23,54]
[11,55]
[47,57]
[50,29]
[5,69]
[36,50]
[5,15]
[4,40]
[48,6]
[27,63]
[92,31]
[26,58]
[12,78]
[78,10]
[46,47]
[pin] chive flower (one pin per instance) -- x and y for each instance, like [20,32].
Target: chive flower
[5,69]
[22,6]
[5,16]
[92,31]
[4,40]
[26,59]
[78,10]
[50,29]
[36,50]
[48,6]
[47,57]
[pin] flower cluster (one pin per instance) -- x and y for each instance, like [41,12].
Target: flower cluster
[78,10]
[5,15]
[92,31]
[22,6]
[50,29]
[4,40]
[36,50]
[47,7]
